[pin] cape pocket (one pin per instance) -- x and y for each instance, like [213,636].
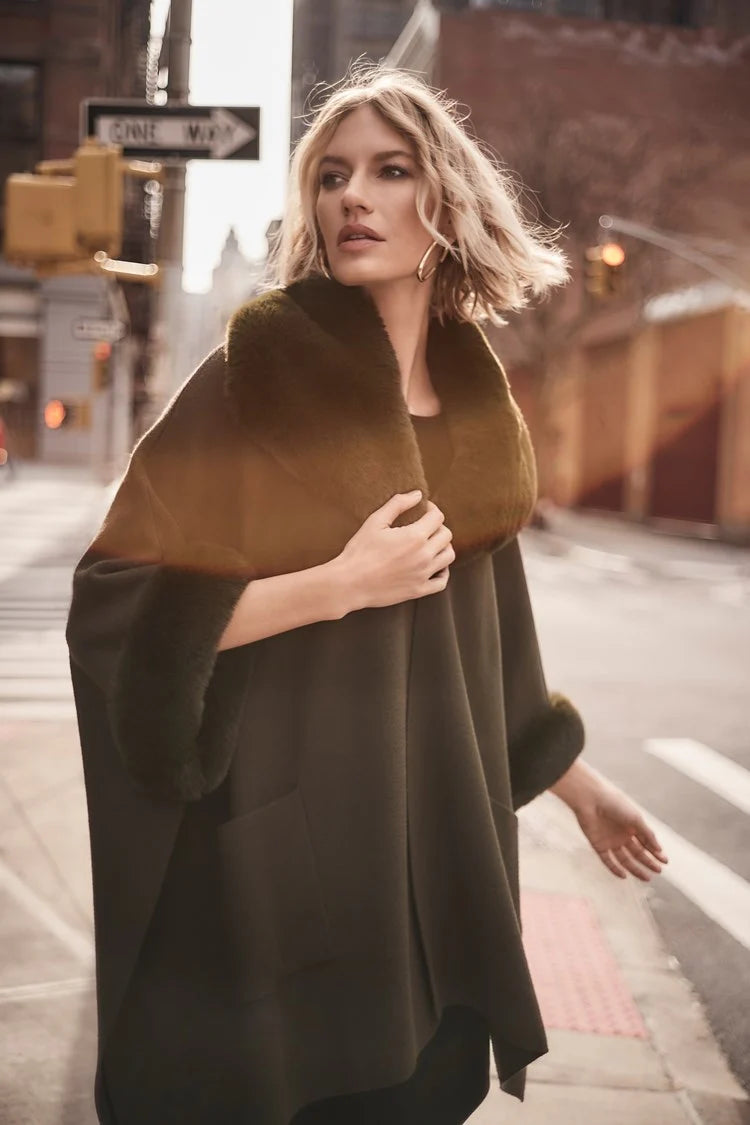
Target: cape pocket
[273,902]
[506,827]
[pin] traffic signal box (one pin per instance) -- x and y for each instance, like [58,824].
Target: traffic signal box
[39,218]
[98,197]
[74,412]
[67,217]
[70,413]
[604,270]
[101,370]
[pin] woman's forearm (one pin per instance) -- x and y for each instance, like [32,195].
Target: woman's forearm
[285,601]
[579,782]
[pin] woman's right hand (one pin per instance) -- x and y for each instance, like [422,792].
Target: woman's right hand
[384,565]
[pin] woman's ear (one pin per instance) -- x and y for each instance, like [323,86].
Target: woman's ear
[445,226]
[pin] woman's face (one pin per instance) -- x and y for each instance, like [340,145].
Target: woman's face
[368,175]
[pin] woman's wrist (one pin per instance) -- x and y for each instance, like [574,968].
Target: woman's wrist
[343,593]
[578,785]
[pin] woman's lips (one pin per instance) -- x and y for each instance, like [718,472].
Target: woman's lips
[359,243]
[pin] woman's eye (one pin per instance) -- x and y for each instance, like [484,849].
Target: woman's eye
[327,177]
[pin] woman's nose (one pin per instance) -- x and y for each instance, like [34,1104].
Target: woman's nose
[354,193]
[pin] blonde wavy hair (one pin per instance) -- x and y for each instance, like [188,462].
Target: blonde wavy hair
[499,259]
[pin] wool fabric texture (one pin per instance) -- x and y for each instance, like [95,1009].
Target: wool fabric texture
[305,849]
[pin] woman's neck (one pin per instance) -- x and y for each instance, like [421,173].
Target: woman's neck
[403,306]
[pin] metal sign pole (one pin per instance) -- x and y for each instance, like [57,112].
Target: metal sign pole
[171,226]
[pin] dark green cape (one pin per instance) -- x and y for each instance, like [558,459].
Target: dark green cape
[260,817]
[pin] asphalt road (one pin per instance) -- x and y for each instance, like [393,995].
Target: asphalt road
[649,660]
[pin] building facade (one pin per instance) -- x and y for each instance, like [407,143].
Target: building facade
[724,15]
[646,121]
[648,93]
[53,54]
[329,34]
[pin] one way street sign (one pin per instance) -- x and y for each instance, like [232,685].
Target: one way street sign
[175,132]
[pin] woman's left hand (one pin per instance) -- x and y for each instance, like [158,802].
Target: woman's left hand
[617,832]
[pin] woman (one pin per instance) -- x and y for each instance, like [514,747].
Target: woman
[310,697]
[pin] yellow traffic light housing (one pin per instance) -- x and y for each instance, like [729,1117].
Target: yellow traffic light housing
[67,217]
[39,218]
[604,269]
[98,197]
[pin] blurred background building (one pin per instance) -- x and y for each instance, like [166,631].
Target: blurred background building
[53,55]
[328,34]
[633,108]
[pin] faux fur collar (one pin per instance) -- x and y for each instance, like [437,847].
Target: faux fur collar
[315,380]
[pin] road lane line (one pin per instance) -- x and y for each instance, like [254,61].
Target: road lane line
[719,892]
[712,770]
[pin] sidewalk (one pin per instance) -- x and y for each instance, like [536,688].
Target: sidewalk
[614,543]
[629,1042]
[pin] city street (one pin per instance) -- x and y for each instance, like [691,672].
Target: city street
[237,230]
[653,654]
[659,670]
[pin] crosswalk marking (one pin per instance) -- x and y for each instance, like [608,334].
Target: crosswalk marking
[712,770]
[45,990]
[11,669]
[38,711]
[41,515]
[722,894]
[719,892]
[45,527]
[76,942]
[38,687]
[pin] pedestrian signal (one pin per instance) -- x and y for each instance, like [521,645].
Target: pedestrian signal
[68,209]
[71,414]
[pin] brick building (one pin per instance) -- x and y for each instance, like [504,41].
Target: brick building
[648,121]
[52,55]
[328,34]
[636,108]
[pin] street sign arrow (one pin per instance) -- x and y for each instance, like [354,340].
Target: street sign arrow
[173,132]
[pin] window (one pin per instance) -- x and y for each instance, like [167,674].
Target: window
[518,5]
[19,119]
[592,9]
[19,101]
[376,22]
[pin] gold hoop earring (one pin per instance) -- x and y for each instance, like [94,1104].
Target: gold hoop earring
[423,276]
[320,259]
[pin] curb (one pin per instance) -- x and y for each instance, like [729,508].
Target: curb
[682,1058]
[625,564]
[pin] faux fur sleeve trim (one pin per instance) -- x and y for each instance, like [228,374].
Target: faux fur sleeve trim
[545,732]
[547,749]
[176,703]
[150,604]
